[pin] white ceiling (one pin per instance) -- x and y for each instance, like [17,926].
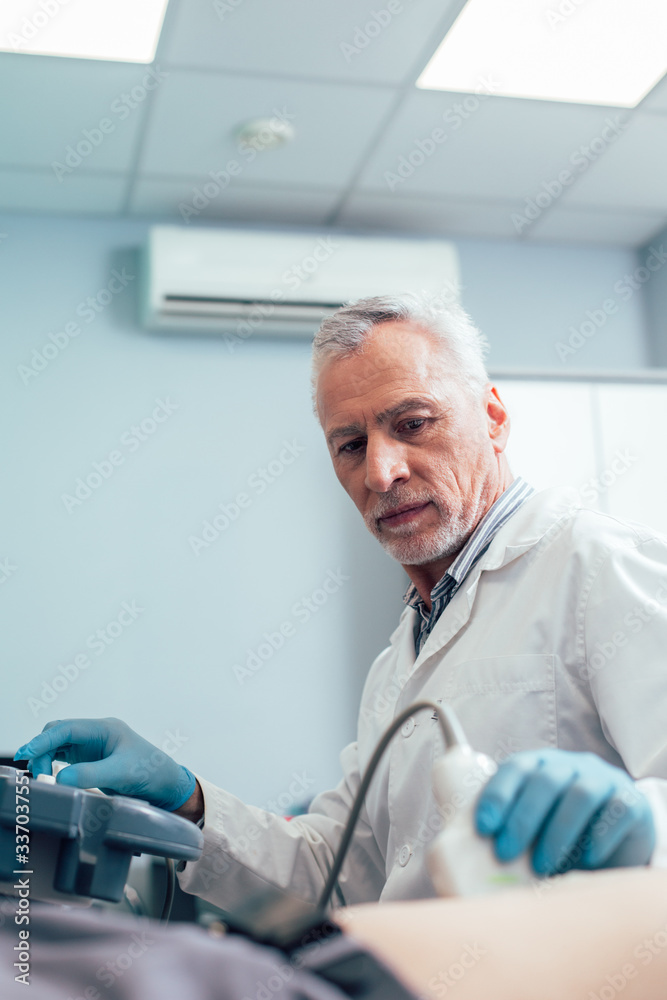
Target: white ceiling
[222,62]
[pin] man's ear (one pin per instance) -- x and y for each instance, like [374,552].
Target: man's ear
[498,419]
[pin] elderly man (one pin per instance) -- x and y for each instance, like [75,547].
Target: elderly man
[520,616]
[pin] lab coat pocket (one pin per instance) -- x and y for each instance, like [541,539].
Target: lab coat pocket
[505,703]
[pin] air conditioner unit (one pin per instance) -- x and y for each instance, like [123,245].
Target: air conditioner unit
[279,283]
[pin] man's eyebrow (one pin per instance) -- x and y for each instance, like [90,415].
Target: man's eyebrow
[414,402]
[350,430]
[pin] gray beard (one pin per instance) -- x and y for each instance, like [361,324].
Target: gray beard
[417,548]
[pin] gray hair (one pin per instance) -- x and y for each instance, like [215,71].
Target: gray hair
[345,332]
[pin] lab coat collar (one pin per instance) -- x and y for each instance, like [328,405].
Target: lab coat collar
[533,520]
[539,514]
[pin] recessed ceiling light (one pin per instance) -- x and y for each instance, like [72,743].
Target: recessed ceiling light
[608,52]
[120,30]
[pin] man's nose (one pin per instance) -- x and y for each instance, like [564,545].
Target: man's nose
[386,464]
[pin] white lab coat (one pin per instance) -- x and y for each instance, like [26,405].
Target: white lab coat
[557,638]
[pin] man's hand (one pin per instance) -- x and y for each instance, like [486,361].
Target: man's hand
[107,754]
[576,809]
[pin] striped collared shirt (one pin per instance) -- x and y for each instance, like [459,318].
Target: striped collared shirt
[502,510]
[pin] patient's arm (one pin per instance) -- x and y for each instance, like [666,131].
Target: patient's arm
[579,937]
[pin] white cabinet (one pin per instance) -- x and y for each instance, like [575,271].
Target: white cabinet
[608,440]
[552,438]
[633,420]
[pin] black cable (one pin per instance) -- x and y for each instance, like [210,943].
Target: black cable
[169,891]
[453,734]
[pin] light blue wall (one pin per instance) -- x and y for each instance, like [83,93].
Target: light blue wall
[653,257]
[527,299]
[172,669]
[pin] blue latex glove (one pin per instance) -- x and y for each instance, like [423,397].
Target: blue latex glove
[576,809]
[107,754]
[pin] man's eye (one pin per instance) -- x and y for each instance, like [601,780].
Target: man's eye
[414,424]
[350,447]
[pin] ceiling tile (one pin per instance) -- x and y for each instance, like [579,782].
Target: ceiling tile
[159,196]
[631,174]
[252,58]
[486,146]
[334,39]
[54,101]
[628,229]
[194,121]
[428,215]
[39,191]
